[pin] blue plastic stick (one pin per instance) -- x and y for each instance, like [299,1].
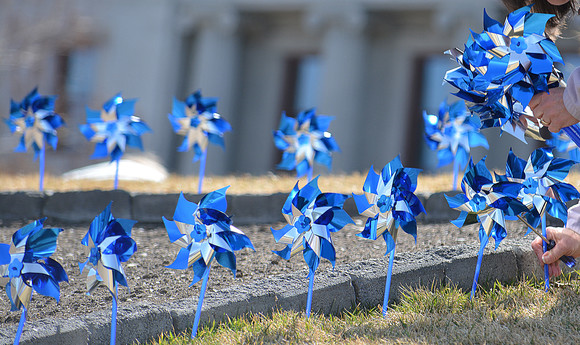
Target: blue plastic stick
[545,248]
[309,298]
[200,302]
[117,174]
[573,132]
[455,172]
[114,317]
[201,170]
[388,283]
[478,266]
[41,167]
[20,326]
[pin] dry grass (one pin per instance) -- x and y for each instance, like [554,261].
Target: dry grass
[243,184]
[519,314]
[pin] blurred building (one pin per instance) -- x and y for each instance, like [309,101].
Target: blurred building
[372,64]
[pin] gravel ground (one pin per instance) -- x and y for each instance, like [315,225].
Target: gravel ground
[150,280]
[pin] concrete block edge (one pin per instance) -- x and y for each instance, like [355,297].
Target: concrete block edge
[520,250]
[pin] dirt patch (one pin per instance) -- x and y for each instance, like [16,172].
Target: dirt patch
[150,280]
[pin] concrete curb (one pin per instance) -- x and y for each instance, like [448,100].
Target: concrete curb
[245,209]
[361,283]
[82,207]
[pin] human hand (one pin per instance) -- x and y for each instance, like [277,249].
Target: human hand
[567,243]
[550,110]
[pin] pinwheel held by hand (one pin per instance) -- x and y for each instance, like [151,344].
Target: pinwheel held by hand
[503,67]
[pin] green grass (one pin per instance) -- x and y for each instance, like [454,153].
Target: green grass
[503,314]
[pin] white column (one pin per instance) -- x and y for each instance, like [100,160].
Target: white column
[342,53]
[214,70]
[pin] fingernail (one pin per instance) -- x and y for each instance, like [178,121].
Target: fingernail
[544,259]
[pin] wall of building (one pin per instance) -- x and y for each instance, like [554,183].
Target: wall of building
[371,54]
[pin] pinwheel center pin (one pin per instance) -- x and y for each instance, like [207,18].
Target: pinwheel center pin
[302,224]
[14,268]
[530,186]
[479,203]
[518,44]
[199,232]
[30,119]
[195,122]
[384,203]
[112,126]
[304,139]
[94,256]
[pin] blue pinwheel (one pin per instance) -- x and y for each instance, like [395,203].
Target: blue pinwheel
[453,131]
[110,243]
[204,232]
[312,216]
[487,202]
[26,266]
[305,140]
[389,202]
[544,190]
[503,67]
[562,143]
[198,121]
[36,120]
[113,128]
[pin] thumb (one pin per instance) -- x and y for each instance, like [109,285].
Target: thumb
[548,257]
[552,255]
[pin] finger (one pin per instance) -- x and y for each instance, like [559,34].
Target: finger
[550,231]
[538,250]
[535,101]
[554,128]
[554,270]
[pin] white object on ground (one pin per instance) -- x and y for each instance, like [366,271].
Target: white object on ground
[136,168]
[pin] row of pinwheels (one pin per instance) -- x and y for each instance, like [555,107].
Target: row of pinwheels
[305,140]
[204,232]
